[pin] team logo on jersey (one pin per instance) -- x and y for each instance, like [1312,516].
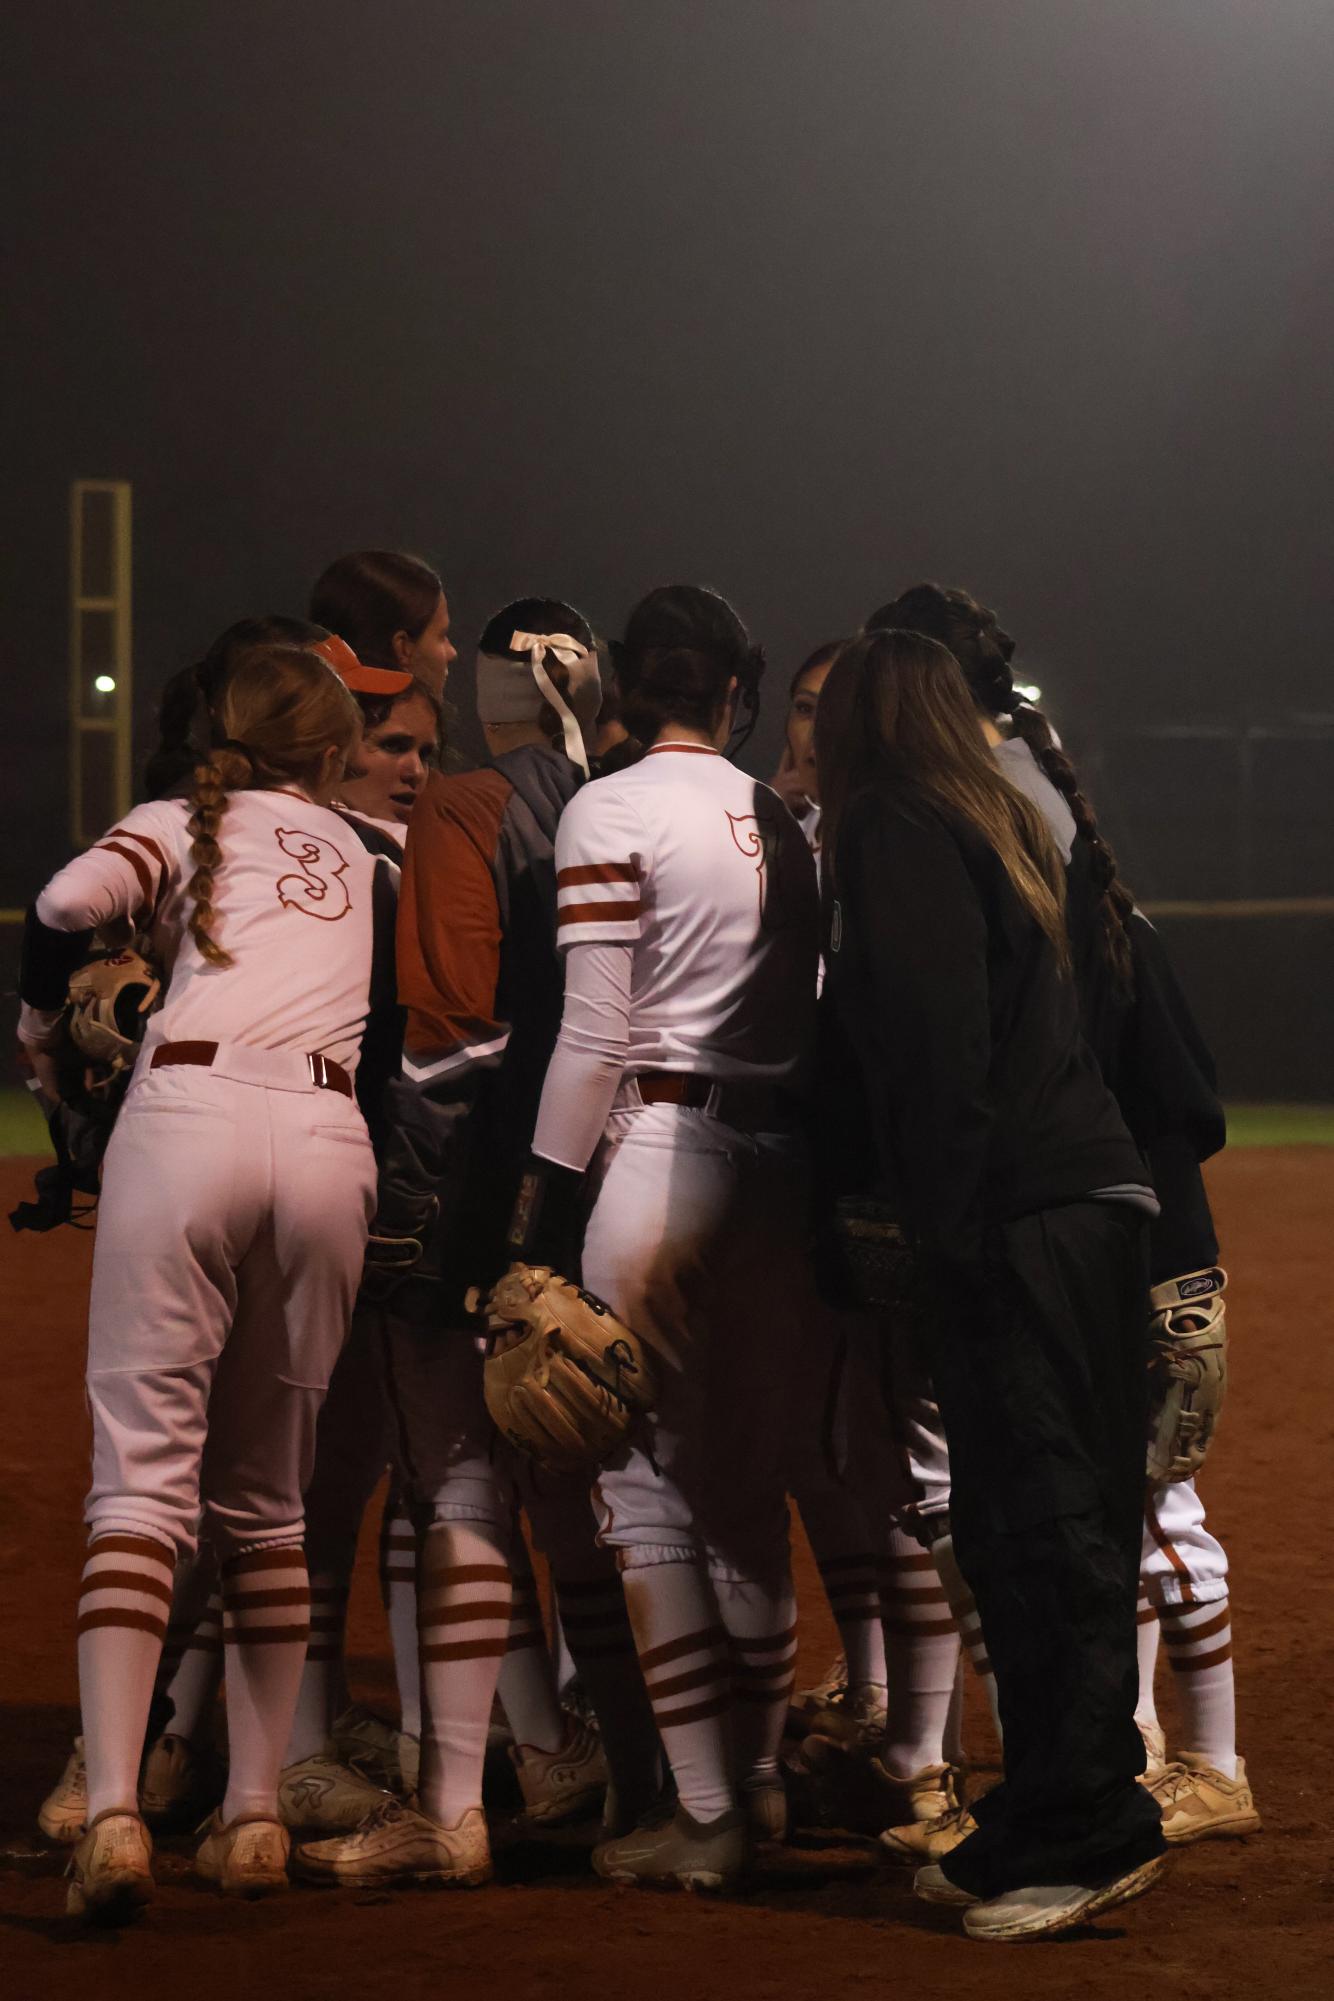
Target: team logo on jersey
[319,890]
[760,839]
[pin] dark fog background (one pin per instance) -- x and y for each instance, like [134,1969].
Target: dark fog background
[806,299]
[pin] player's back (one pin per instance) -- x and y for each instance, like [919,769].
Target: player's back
[706,872]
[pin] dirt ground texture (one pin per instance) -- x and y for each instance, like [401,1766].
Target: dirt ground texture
[823,1919]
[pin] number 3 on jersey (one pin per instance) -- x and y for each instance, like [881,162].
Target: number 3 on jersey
[319,889]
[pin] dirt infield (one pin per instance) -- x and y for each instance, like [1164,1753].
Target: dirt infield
[823,1921]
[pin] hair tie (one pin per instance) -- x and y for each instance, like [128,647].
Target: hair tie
[238,748]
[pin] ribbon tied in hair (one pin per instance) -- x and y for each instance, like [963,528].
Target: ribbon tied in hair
[511,691]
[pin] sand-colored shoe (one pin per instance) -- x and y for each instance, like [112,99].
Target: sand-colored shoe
[63,1814]
[396,1844]
[1047,1909]
[847,1786]
[111,1871]
[245,1857]
[676,1848]
[1198,1802]
[568,1784]
[852,1716]
[933,1886]
[808,1703]
[320,1795]
[920,1841]
[180,1782]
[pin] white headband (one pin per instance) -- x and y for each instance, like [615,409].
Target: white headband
[513,691]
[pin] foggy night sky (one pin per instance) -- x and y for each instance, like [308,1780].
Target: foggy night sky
[806,299]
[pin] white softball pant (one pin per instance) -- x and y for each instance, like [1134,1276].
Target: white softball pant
[696,1239]
[230,1239]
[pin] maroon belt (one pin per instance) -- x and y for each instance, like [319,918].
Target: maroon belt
[325,1074]
[675,1087]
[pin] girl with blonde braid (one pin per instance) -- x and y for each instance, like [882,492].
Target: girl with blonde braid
[238,1187]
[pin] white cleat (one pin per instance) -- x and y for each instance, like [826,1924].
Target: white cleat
[322,1796]
[1047,1909]
[396,1844]
[563,1785]
[63,1814]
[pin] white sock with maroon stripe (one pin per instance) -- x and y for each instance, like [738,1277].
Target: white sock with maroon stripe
[921,1658]
[1146,1652]
[124,1602]
[761,1622]
[323,1684]
[398,1594]
[852,1587]
[463,1616]
[527,1681]
[687,1669]
[597,1632]
[1198,1639]
[192,1687]
[266,1627]
[963,1607]
[194,1641]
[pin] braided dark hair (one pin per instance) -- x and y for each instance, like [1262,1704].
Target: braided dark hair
[984,650]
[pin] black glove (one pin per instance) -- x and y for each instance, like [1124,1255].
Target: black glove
[547,1226]
[402,1228]
[79,1136]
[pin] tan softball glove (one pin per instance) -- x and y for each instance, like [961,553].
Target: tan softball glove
[1187,1372]
[565,1380]
[110,1000]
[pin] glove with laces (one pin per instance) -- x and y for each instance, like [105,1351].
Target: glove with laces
[1187,1372]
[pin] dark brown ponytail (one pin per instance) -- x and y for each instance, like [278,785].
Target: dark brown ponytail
[984,650]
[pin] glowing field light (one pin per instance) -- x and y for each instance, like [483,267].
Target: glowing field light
[1027,691]
[105,684]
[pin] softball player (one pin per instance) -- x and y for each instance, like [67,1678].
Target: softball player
[687,919]
[392,611]
[1154,1061]
[237,1190]
[480,980]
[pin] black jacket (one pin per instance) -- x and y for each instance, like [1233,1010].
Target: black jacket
[952,1035]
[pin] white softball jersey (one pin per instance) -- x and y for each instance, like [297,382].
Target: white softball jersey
[293,907]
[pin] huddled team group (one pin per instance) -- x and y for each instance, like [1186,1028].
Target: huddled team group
[608,1005]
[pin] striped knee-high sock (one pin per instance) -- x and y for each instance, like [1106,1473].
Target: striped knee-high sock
[921,1658]
[266,1628]
[761,1622]
[323,1689]
[463,1616]
[963,1607]
[597,1632]
[1198,1639]
[398,1594]
[852,1587]
[686,1664]
[195,1578]
[124,1603]
[190,1691]
[526,1684]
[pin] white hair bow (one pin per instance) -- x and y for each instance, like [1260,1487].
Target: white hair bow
[571,655]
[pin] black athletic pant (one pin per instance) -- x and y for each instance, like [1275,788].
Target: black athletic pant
[1039,1361]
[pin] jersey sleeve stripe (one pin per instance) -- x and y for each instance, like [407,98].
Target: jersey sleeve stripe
[611,911]
[137,863]
[582,872]
[145,841]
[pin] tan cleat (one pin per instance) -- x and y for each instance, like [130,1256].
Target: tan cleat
[180,1782]
[568,1784]
[396,1844]
[921,1841]
[808,1703]
[245,1858]
[63,1814]
[849,1787]
[111,1870]
[321,1796]
[1198,1802]
[671,1846]
[852,1716]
